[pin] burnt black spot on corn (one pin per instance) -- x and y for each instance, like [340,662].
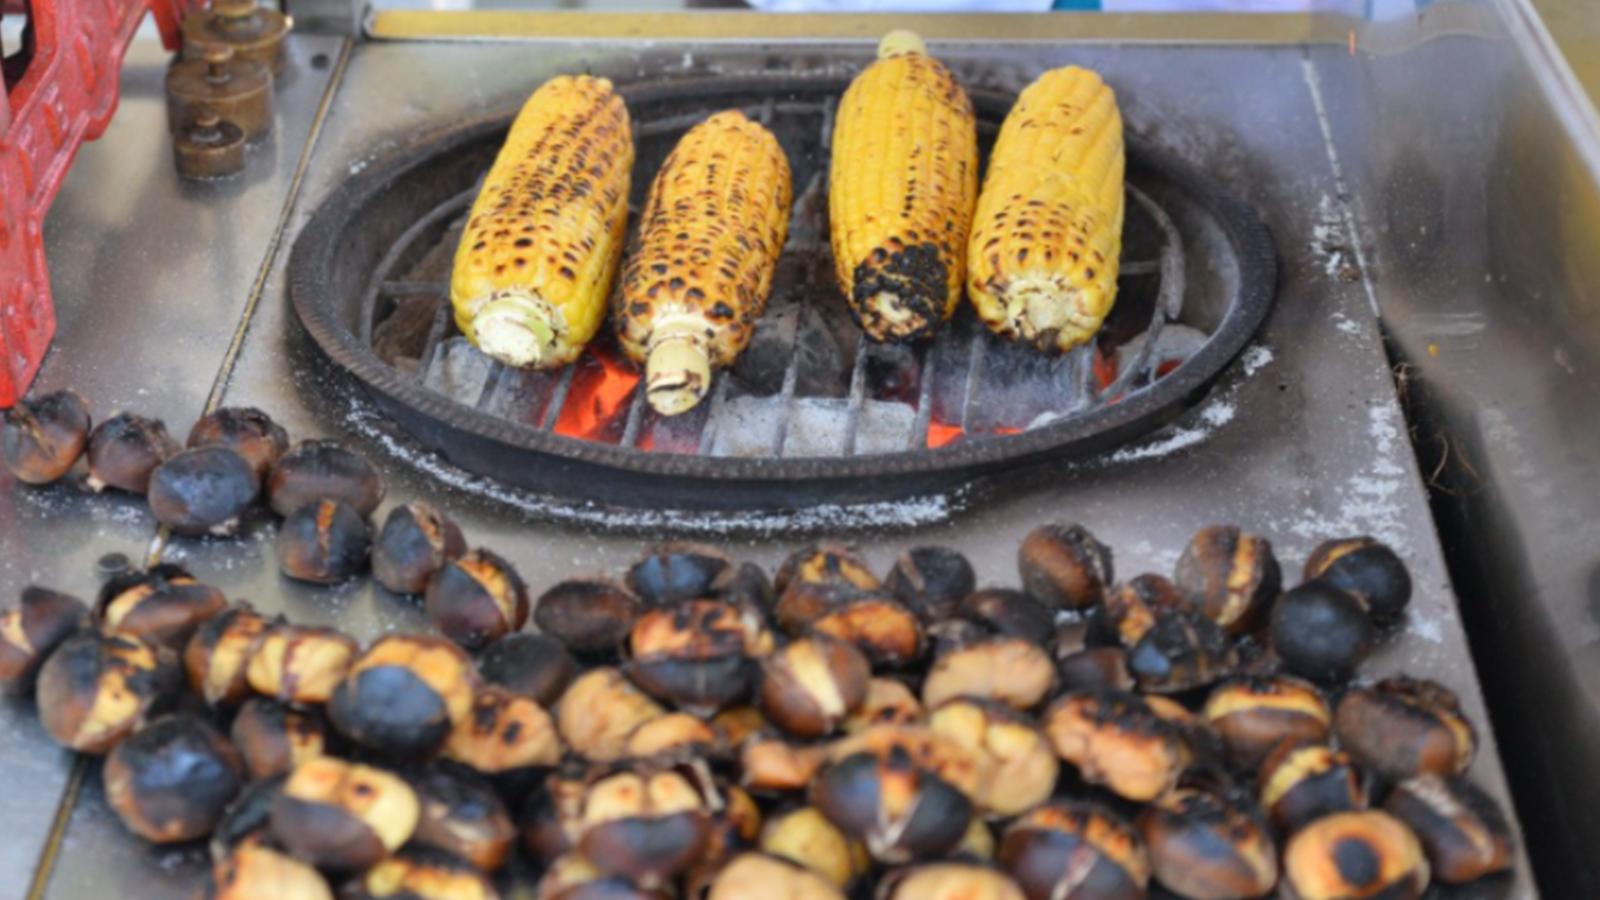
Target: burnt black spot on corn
[902,187]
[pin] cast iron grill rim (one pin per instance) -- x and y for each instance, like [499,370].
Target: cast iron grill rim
[313,259]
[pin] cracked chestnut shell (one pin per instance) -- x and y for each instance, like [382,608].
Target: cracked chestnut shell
[677,571]
[415,542]
[547,819]
[299,663]
[206,490]
[1075,850]
[1209,846]
[403,695]
[246,431]
[461,813]
[773,765]
[1354,854]
[255,871]
[644,824]
[1133,607]
[125,449]
[592,616]
[163,604]
[1462,829]
[216,656]
[1094,668]
[272,738]
[41,439]
[892,801]
[1254,714]
[343,816]
[1367,569]
[1230,576]
[171,780]
[1181,651]
[948,881]
[677,735]
[888,702]
[1009,670]
[805,837]
[1064,566]
[700,655]
[31,630]
[96,688]
[945,635]
[1118,741]
[599,711]
[1403,726]
[537,665]
[421,873]
[816,579]
[325,542]
[507,737]
[931,581]
[1321,632]
[245,820]
[884,629]
[1019,766]
[323,470]
[1302,781]
[754,876]
[574,878]
[476,599]
[811,685]
[1009,613]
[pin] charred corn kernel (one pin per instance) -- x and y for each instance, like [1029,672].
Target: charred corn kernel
[902,186]
[713,226]
[1042,261]
[544,239]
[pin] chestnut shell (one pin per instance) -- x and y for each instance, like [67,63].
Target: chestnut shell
[325,542]
[1064,566]
[535,665]
[41,439]
[1009,613]
[323,470]
[931,581]
[461,813]
[89,663]
[674,572]
[415,542]
[1321,632]
[855,794]
[205,490]
[476,599]
[31,631]
[1366,568]
[592,616]
[171,780]
[163,604]
[125,449]
[246,431]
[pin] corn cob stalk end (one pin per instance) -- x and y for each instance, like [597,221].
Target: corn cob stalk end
[517,328]
[900,41]
[677,374]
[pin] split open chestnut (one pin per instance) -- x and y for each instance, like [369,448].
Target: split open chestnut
[888,702]
[163,604]
[1094,668]
[1255,714]
[41,439]
[247,819]
[416,540]
[1132,608]
[476,599]
[218,653]
[599,711]
[201,491]
[325,542]
[644,824]
[256,871]
[1321,632]
[1231,576]
[769,764]
[675,572]
[273,738]
[1064,566]
[890,789]
[323,470]
[403,695]
[804,836]
[343,816]
[948,881]
[1009,613]
[756,876]
[96,688]
[884,629]
[536,665]
[699,655]
[171,780]
[1403,726]
[31,630]
[507,737]
[1182,650]
[1075,850]
[1354,854]
[461,813]
[1210,846]
[125,449]
[246,431]
[1116,740]
[810,686]
[1009,670]
[678,735]
[299,663]
[1304,780]
[1366,568]
[1019,765]
[1462,829]
[931,581]
[421,873]
[592,616]
[816,579]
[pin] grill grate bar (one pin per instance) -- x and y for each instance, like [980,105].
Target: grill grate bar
[1169,299]
[558,397]
[975,356]
[791,377]
[708,432]
[630,431]
[919,428]
[410,288]
[369,300]
[858,391]
[430,347]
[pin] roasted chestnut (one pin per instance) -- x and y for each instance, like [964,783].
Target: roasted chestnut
[948,881]
[1209,846]
[1402,727]
[1116,740]
[1255,714]
[674,572]
[816,579]
[172,779]
[1207,754]
[255,871]
[246,820]
[1095,668]
[403,695]
[476,599]
[769,764]
[1009,613]
[548,819]
[749,587]
[644,824]
[804,836]
[97,688]
[533,664]
[462,814]
[1075,850]
[677,735]
[218,653]
[1132,608]
[1321,632]
[1010,670]
[1182,650]
[945,635]
[41,439]
[889,794]
[343,816]
[1230,576]
[299,663]
[206,490]
[1354,854]
[735,724]
[246,431]
[1366,568]
[1462,829]
[977,845]
[888,702]
[573,877]
[810,686]
[163,605]
[885,630]
[273,738]
[757,876]
[125,449]
[700,655]
[1301,781]
[1064,567]
[31,630]
[931,581]
[325,542]
[735,827]
[415,542]
[1019,764]
[507,737]
[599,711]
[591,616]
[312,471]
[422,873]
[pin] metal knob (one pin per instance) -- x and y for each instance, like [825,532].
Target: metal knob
[236,89]
[251,31]
[210,147]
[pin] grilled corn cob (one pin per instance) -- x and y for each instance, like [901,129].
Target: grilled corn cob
[544,238]
[713,226]
[901,191]
[1048,231]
